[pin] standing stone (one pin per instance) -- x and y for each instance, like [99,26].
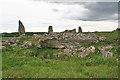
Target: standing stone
[21,28]
[79,30]
[50,29]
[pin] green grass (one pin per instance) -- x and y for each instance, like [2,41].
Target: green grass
[16,64]
[6,38]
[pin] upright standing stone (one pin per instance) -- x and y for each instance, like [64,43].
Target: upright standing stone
[21,28]
[50,29]
[79,30]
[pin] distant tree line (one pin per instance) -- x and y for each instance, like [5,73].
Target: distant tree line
[16,34]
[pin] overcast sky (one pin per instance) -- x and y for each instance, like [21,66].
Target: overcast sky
[37,15]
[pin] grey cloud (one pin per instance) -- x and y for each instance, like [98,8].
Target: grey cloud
[98,11]
[102,11]
[55,10]
[79,0]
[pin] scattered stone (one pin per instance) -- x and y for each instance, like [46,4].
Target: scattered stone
[22,36]
[102,38]
[36,43]
[21,28]
[105,54]
[13,48]
[73,51]
[79,30]
[42,57]
[82,48]
[79,54]
[101,49]
[108,47]
[13,45]
[27,52]
[3,47]
[36,36]
[86,51]
[27,43]
[92,48]
[67,52]
[17,40]
[5,42]
[24,46]
[9,44]
[30,44]
[58,54]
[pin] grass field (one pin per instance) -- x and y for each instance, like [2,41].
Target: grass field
[16,64]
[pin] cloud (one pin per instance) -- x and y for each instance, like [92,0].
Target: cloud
[95,11]
[38,15]
[103,11]
[78,0]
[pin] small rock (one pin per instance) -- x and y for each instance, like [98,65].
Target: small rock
[67,52]
[102,38]
[17,40]
[27,43]
[24,46]
[107,54]
[79,54]
[108,47]
[3,47]
[13,48]
[82,48]
[22,36]
[5,41]
[42,57]
[14,45]
[92,48]
[27,52]
[30,44]
[58,54]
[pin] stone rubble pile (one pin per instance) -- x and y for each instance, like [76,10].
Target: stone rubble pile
[83,52]
[105,54]
[68,40]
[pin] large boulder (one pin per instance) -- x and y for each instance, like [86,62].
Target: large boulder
[51,43]
[21,28]
[67,40]
[105,54]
